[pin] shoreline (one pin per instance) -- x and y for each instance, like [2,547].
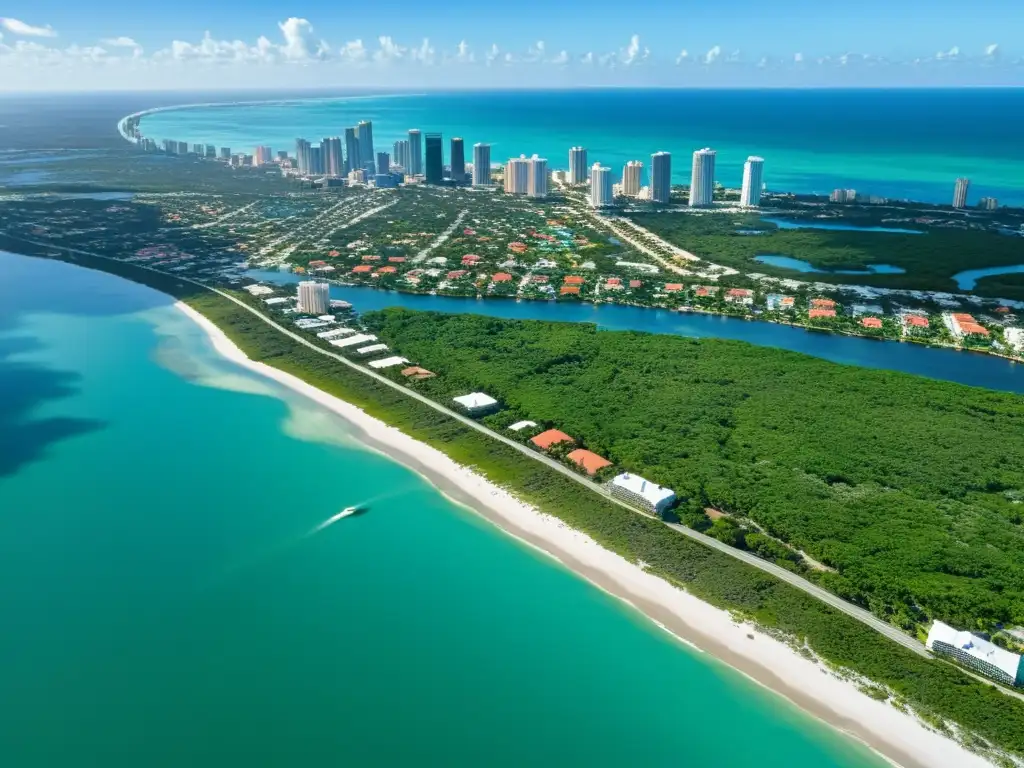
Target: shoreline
[896,736]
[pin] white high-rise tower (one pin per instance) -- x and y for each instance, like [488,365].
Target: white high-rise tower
[577,165]
[600,185]
[753,178]
[631,173]
[517,175]
[960,192]
[537,177]
[481,165]
[314,297]
[702,179]
[415,153]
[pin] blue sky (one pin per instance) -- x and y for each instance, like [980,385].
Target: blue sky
[53,44]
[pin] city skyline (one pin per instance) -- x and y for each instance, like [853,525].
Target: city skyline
[46,46]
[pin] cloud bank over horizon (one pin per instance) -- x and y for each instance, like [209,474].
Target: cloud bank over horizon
[295,55]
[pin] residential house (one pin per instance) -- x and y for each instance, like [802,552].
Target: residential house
[551,437]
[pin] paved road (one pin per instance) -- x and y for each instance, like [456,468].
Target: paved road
[856,612]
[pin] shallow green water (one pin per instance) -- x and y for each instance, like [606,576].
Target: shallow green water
[165,605]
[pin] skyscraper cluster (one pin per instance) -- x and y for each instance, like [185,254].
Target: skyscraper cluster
[333,158]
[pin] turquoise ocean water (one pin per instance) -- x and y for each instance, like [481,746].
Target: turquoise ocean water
[896,143]
[165,604]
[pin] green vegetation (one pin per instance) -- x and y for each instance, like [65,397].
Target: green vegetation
[930,259]
[907,487]
[934,689]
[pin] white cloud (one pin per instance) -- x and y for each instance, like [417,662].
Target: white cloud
[354,51]
[120,42]
[16,27]
[798,58]
[464,55]
[492,54]
[952,53]
[299,43]
[991,51]
[535,52]
[561,58]
[713,55]
[684,55]
[633,52]
[587,58]
[425,53]
[389,50]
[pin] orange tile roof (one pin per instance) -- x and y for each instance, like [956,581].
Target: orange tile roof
[973,328]
[916,320]
[318,263]
[362,268]
[590,461]
[702,291]
[573,280]
[823,303]
[501,277]
[396,259]
[1002,310]
[614,281]
[567,289]
[822,313]
[371,257]
[386,271]
[871,322]
[416,372]
[673,287]
[546,439]
[740,292]
[470,258]
[962,317]
[455,274]
[635,283]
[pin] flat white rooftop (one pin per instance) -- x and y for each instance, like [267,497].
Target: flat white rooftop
[521,425]
[388,362]
[974,646]
[259,290]
[352,341]
[277,300]
[651,492]
[335,333]
[475,400]
[372,348]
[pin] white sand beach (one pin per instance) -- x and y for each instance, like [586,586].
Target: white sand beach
[900,737]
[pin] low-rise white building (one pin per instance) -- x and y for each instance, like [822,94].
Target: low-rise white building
[1015,338]
[519,426]
[643,493]
[371,349]
[335,333]
[476,402]
[388,362]
[976,653]
[352,341]
[273,302]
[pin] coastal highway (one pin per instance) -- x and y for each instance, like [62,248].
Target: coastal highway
[794,580]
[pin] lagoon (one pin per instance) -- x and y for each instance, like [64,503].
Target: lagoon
[827,225]
[967,280]
[799,265]
[949,365]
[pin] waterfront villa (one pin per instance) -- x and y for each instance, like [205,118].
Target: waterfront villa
[362,268]
[551,437]
[976,653]
[823,304]
[568,290]
[871,322]
[476,403]
[588,460]
[815,313]
[673,287]
[501,277]
[776,301]
[642,493]
[740,296]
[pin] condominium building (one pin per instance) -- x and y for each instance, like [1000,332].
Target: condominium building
[334,164]
[577,165]
[314,297]
[988,203]
[351,150]
[753,179]
[262,156]
[434,171]
[302,155]
[225,153]
[383,163]
[600,185]
[364,137]
[316,161]
[457,159]
[517,175]
[702,178]
[642,493]
[661,177]
[976,653]
[960,192]
[401,153]
[537,177]
[415,153]
[481,165]
[631,173]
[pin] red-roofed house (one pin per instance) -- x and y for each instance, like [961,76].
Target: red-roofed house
[673,287]
[916,321]
[973,329]
[871,322]
[704,291]
[470,259]
[553,436]
[590,461]
[500,277]
[517,247]
[635,283]
[570,290]
[334,253]
[822,304]
[317,264]
[814,313]
[455,274]
[739,296]
[387,271]
[362,268]
[371,257]
[396,259]
[573,280]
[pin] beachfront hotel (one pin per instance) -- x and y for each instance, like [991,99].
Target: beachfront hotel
[960,192]
[600,185]
[517,173]
[537,177]
[314,297]
[661,177]
[976,653]
[641,493]
[753,178]
[577,165]
[631,173]
[702,178]
[481,165]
